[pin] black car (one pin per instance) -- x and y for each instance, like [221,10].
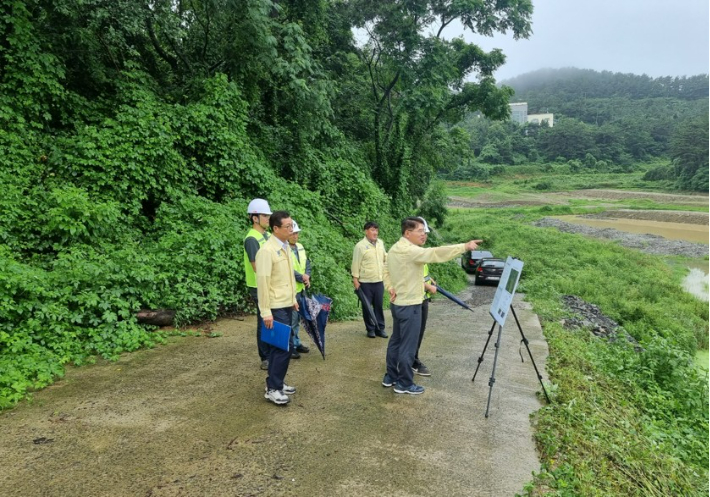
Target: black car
[471,258]
[489,270]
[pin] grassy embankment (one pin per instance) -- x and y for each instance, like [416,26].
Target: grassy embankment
[622,421]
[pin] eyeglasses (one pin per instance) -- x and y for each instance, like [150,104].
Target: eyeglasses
[288,227]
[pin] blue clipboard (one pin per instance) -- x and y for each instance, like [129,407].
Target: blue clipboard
[278,336]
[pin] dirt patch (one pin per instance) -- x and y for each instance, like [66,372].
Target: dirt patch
[669,198]
[491,204]
[485,201]
[681,217]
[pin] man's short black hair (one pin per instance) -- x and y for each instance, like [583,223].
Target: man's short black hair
[371,224]
[411,223]
[277,218]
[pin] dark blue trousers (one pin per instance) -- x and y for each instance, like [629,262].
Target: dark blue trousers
[278,358]
[425,314]
[261,346]
[402,347]
[374,292]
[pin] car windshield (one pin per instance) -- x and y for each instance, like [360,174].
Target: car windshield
[493,264]
[480,255]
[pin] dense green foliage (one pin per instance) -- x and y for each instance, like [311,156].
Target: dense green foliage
[602,122]
[133,135]
[622,421]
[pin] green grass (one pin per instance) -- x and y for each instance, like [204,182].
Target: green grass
[622,421]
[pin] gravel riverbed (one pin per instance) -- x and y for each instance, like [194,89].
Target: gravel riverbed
[650,244]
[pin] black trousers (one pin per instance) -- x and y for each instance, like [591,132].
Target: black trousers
[374,293]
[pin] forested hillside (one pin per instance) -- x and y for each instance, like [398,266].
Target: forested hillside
[603,121]
[133,135]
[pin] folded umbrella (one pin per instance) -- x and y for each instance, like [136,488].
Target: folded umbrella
[453,298]
[366,305]
[314,313]
[322,317]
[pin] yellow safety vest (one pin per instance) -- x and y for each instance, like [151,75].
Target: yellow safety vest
[248,270]
[299,264]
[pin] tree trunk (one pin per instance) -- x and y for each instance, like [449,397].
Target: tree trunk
[157,317]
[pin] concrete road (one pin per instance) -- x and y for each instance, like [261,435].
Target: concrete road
[190,419]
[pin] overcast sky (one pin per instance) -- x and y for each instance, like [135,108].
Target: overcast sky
[653,37]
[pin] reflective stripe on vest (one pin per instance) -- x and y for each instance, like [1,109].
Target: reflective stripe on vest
[248,270]
[299,264]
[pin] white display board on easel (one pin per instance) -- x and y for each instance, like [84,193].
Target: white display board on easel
[506,290]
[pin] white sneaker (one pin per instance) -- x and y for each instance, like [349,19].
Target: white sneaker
[276,397]
[286,389]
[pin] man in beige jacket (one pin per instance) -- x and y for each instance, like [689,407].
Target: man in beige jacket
[276,289]
[367,269]
[404,280]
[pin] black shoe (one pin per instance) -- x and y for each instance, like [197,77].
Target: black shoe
[421,370]
[303,349]
[381,334]
[295,354]
[370,334]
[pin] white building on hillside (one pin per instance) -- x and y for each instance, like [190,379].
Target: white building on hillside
[519,112]
[540,118]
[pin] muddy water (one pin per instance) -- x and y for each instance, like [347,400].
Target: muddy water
[696,283]
[697,233]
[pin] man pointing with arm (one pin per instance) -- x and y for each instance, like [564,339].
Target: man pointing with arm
[404,280]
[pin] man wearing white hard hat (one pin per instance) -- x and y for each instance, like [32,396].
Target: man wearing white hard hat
[259,212]
[302,273]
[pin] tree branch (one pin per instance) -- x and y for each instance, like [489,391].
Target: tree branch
[172,61]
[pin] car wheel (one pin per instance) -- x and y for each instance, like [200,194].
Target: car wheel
[476,281]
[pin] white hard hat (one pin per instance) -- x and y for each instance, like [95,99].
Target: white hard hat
[259,206]
[426,226]
[296,229]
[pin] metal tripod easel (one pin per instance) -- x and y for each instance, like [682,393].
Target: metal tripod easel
[495,358]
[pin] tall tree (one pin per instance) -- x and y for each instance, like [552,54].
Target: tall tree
[418,78]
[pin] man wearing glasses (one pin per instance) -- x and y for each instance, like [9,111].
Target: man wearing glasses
[276,289]
[404,280]
[259,212]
